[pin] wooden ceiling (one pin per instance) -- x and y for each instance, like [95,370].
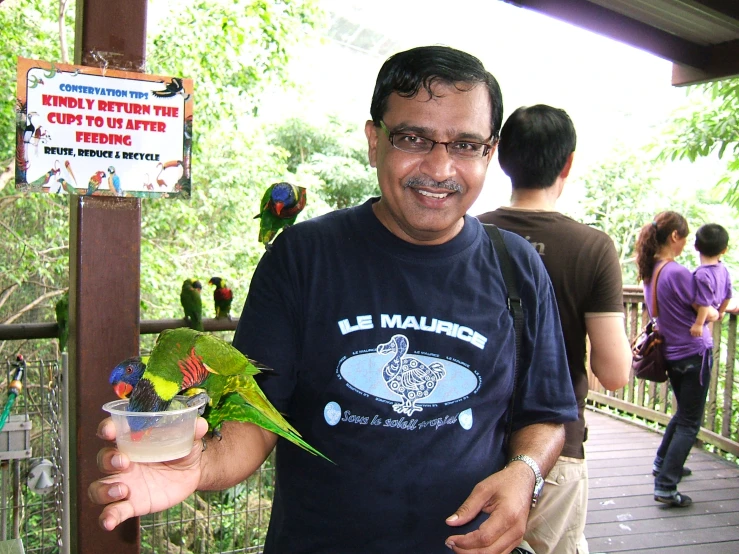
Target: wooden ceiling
[700,37]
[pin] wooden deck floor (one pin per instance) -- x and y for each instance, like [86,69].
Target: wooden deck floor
[622,513]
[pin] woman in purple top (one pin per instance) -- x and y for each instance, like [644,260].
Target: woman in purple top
[659,243]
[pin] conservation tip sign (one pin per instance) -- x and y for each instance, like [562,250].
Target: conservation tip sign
[102,132]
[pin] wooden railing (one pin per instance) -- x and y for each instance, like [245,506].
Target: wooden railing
[653,402]
[648,401]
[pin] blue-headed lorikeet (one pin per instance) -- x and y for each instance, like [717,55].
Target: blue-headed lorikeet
[192,303]
[187,362]
[222,298]
[280,206]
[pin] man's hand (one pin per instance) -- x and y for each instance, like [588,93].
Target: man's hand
[506,496]
[135,489]
[696,330]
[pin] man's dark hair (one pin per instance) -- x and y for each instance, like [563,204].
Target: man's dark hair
[405,73]
[535,143]
[711,239]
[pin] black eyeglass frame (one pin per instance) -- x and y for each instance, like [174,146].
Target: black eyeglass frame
[483,152]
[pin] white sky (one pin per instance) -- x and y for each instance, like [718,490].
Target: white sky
[613,92]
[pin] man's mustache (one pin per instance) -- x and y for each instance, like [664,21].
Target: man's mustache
[420,182]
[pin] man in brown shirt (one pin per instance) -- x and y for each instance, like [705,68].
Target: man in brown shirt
[536,150]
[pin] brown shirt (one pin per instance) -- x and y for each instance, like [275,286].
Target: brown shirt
[586,274]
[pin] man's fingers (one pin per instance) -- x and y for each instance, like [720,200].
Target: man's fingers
[110,460]
[470,507]
[201,427]
[493,536]
[115,514]
[106,429]
[105,492]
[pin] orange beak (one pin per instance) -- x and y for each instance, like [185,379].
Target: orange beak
[279,206]
[122,390]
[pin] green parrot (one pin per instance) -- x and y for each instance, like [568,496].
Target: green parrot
[188,362]
[62,320]
[192,303]
[280,206]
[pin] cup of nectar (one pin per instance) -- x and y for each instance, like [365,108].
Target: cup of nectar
[155,436]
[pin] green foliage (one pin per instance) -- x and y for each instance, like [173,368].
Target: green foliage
[233,49]
[330,159]
[709,126]
[28,29]
[625,193]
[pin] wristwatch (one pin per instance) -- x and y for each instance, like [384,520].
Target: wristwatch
[539,483]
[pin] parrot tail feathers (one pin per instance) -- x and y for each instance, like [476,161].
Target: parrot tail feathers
[305,446]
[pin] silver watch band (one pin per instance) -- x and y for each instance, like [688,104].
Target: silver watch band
[538,480]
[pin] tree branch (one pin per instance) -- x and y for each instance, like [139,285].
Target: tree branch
[62,32]
[7,173]
[6,293]
[32,305]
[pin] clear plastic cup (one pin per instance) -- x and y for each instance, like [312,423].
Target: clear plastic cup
[157,436]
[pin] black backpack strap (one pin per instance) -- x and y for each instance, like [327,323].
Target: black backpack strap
[514,306]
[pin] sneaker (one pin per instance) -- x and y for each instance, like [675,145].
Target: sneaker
[686,471]
[678,500]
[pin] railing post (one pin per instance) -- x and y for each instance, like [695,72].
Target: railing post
[105,245]
[729,379]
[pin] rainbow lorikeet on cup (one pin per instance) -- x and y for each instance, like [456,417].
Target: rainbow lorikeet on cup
[280,206]
[192,303]
[222,298]
[187,362]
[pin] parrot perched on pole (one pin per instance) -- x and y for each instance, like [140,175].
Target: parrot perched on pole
[187,362]
[222,298]
[280,206]
[192,303]
[61,309]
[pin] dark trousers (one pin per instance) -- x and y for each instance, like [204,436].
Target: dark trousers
[685,378]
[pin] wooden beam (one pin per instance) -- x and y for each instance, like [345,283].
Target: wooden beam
[105,258]
[25,331]
[723,7]
[621,28]
[723,64]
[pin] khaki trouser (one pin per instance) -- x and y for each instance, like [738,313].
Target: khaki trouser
[557,523]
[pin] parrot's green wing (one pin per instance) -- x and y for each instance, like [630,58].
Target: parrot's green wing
[269,225]
[222,358]
[233,407]
[187,361]
[265,201]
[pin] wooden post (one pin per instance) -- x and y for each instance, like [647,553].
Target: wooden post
[105,258]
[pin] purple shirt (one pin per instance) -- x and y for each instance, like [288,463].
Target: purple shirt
[675,295]
[712,285]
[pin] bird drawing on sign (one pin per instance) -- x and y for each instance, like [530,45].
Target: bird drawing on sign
[170,89]
[94,183]
[173,176]
[114,182]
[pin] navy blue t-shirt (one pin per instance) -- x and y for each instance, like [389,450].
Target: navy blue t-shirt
[396,361]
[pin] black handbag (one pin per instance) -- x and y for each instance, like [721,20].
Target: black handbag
[648,358]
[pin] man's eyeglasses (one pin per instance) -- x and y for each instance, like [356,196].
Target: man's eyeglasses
[414,144]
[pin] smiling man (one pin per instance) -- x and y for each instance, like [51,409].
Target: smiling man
[393,351]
